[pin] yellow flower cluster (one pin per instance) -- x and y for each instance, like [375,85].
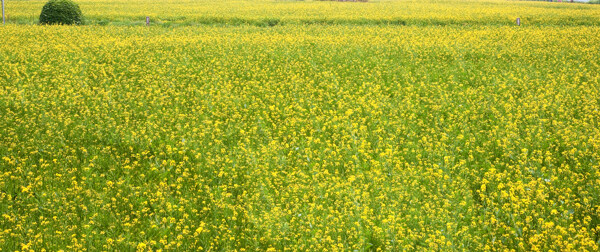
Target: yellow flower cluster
[300,137]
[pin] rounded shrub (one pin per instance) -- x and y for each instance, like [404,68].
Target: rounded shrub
[61,12]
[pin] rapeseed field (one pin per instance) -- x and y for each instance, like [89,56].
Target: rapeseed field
[464,132]
[281,12]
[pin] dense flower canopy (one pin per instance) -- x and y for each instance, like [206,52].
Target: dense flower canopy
[300,137]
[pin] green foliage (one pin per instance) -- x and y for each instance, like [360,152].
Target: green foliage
[61,12]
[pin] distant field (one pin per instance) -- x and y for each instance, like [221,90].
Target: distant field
[334,137]
[273,12]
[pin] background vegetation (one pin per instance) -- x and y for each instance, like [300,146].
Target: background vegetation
[64,12]
[273,12]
